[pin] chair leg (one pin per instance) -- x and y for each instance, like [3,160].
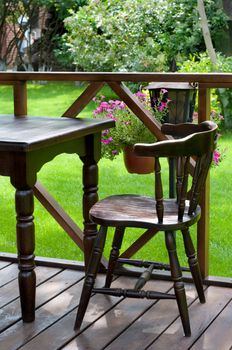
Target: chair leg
[114,254]
[178,283]
[193,264]
[91,273]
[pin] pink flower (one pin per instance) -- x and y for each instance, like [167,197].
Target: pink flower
[140,94]
[162,106]
[195,115]
[163,91]
[104,106]
[107,141]
[116,104]
[216,157]
[105,132]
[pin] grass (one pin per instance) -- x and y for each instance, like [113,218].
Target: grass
[62,177]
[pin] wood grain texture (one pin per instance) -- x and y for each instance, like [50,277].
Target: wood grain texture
[35,132]
[114,323]
[10,292]
[140,211]
[60,294]
[148,327]
[201,317]
[218,335]
[20,99]
[210,79]
[127,311]
[3,264]
[203,224]
[8,273]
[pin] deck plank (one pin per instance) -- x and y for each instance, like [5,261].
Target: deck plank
[10,291]
[8,273]
[4,264]
[12,311]
[57,304]
[219,333]
[62,331]
[128,310]
[150,325]
[110,323]
[201,315]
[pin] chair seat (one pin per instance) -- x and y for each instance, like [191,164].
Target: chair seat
[140,211]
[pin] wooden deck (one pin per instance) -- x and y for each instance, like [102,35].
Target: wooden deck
[110,323]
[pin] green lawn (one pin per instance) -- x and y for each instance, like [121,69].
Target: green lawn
[62,177]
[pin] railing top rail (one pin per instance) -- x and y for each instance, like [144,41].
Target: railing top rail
[208,78]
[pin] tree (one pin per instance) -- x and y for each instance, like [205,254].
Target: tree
[30,31]
[140,35]
[206,32]
[115,35]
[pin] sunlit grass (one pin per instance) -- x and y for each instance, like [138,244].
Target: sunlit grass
[62,177]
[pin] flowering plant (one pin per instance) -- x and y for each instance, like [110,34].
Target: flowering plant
[129,128]
[219,153]
[216,117]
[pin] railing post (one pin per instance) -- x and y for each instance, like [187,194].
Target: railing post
[20,98]
[203,224]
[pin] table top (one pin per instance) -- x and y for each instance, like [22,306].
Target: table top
[26,133]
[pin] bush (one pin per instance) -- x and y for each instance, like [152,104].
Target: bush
[221,100]
[138,35]
[115,35]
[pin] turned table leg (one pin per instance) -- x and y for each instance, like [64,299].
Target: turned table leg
[90,190]
[26,244]
[90,197]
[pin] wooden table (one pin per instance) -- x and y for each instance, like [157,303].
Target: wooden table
[26,144]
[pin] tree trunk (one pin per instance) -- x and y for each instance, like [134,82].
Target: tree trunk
[206,32]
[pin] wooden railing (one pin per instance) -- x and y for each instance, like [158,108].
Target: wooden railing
[116,81]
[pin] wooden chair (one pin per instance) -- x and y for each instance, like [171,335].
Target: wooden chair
[168,215]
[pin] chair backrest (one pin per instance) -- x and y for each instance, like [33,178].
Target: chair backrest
[192,144]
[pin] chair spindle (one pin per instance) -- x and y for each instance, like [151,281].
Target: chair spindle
[179,177]
[184,189]
[158,191]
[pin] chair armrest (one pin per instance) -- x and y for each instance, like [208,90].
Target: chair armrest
[195,144]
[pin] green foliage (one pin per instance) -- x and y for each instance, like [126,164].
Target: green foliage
[221,98]
[62,8]
[115,36]
[181,34]
[138,35]
[201,63]
[22,17]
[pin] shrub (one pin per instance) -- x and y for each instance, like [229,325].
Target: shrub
[138,35]
[116,35]
[221,98]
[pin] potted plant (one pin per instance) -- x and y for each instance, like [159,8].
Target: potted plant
[129,128]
